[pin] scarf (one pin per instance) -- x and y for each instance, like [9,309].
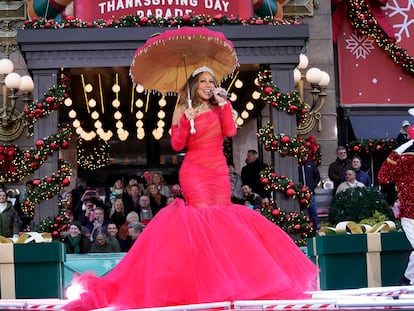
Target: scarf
[75,242]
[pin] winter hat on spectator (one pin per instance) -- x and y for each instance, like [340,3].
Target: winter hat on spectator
[77,224]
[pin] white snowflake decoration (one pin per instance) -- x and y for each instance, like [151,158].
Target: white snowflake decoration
[359,46]
[395,7]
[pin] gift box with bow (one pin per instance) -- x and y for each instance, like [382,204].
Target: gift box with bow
[359,260]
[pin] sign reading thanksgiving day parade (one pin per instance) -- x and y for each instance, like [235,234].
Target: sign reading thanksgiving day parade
[98,9]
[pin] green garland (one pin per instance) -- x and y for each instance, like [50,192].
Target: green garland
[286,102]
[50,102]
[58,223]
[287,145]
[364,22]
[372,146]
[296,223]
[16,164]
[286,185]
[47,187]
[152,21]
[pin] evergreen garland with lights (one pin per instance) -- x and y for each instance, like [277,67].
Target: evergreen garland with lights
[16,164]
[93,154]
[297,223]
[287,102]
[50,102]
[363,21]
[372,146]
[286,185]
[286,145]
[47,187]
[292,222]
[58,223]
[153,21]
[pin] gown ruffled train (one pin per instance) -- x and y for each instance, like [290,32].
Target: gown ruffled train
[205,249]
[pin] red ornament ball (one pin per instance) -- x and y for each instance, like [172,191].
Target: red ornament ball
[40,143]
[285,139]
[65,182]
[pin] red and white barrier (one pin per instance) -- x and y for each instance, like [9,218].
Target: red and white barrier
[382,298]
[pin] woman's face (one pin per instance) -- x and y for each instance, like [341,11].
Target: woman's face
[68,197]
[156,178]
[153,189]
[3,197]
[118,184]
[112,229]
[133,217]
[74,231]
[100,239]
[205,85]
[119,207]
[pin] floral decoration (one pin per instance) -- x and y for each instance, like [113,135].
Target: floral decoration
[50,102]
[296,223]
[16,164]
[374,146]
[47,187]
[153,21]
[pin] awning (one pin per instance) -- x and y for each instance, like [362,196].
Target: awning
[378,127]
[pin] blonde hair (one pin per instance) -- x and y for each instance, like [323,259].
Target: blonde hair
[131,215]
[112,212]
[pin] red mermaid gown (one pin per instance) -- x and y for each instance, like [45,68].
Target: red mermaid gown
[205,250]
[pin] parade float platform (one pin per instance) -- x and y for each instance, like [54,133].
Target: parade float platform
[357,272]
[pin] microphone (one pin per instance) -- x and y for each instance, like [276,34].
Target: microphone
[222,93]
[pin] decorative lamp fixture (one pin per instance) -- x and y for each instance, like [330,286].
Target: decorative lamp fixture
[11,119]
[319,80]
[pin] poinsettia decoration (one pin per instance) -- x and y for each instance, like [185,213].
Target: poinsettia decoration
[50,102]
[16,164]
[295,223]
[372,146]
[47,187]
[153,21]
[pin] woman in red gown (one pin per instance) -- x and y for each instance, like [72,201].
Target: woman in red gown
[206,249]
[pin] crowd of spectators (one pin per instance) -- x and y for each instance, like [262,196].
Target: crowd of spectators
[112,222]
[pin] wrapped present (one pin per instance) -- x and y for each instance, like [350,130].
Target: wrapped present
[99,263]
[31,270]
[7,278]
[359,260]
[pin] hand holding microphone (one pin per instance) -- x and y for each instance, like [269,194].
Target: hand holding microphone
[220,96]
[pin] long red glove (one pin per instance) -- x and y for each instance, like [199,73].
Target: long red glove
[228,125]
[179,134]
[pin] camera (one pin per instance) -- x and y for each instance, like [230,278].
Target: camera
[91,193]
